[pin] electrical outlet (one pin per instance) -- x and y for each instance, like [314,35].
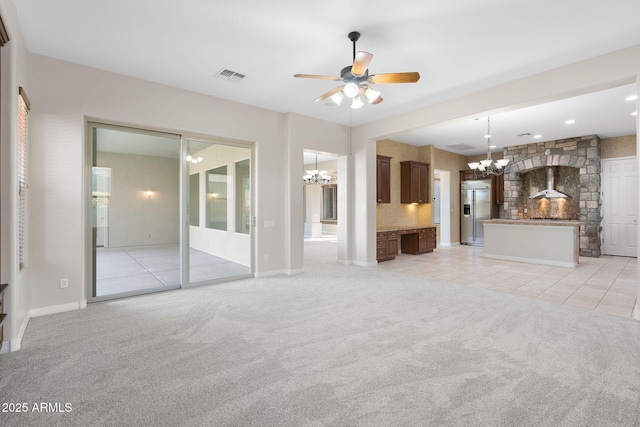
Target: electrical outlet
[64,283]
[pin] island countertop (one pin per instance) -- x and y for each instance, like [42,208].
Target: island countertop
[547,222]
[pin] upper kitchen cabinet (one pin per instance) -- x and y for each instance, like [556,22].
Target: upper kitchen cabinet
[414,182]
[498,189]
[383,176]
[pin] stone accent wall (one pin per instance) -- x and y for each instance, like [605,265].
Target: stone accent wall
[582,153]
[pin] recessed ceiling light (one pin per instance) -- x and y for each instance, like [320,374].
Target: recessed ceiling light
[492,146]
[487,136]
[635,113]
[537,136]
[631,98]
[569,122]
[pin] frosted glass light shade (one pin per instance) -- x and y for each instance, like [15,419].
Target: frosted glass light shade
[356,103]
[473,165]
[351,90]
[337,97]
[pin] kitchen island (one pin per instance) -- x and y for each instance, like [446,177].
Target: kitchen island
[539,241]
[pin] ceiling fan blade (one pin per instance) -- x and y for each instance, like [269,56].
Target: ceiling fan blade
[313,76]
[328,94]
[394,78]
[361,63]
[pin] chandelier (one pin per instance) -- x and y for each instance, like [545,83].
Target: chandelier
[316,176]
[488,166]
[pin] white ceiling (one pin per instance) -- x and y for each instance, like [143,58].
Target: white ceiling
[458,47]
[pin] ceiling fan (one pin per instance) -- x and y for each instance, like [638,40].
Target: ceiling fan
[357,81]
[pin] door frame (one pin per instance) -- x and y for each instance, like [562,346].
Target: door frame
[184,204]
[606,199]
[89,234]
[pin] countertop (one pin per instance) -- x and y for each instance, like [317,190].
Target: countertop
[547,222]
[403,227]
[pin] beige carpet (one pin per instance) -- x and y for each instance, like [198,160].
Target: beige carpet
[336,345]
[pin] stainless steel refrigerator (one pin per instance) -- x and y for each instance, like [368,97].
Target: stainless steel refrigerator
[476,206]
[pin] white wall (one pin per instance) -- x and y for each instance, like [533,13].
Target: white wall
[134,218]
[63,95]
[305,133]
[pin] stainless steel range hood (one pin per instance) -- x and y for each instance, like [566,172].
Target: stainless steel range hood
[550,192]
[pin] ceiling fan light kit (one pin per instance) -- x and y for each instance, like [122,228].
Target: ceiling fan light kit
[357,80]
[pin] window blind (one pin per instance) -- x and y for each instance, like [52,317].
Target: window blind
[23,111]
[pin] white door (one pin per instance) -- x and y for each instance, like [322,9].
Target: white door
[619,177]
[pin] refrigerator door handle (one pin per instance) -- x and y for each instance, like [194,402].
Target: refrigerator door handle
[473,216]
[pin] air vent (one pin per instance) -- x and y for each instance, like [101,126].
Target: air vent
[525,134]
[225,74]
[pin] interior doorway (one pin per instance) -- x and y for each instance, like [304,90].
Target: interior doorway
[320,204]
[443,205]
[619,219]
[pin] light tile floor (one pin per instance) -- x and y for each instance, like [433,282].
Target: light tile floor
[606,284]
[138,268]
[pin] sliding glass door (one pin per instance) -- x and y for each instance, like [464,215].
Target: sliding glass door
[219,190]
[167,211]
[136,211]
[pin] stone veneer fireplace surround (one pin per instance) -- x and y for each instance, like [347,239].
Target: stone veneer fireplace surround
[582,153]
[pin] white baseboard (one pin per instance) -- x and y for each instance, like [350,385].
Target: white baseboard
[54,309]
[271,273]
[365,263]
[16,343]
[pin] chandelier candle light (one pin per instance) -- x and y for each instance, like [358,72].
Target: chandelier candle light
[488,166]
[316,176]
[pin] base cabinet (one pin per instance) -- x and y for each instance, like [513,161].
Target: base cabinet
[3,315]
[412,241]
[418,241]
[387,245]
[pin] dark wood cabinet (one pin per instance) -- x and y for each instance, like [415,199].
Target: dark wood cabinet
[498,189]
[427,239]
[418,241]
[412,241]
[383,178]
[3,315]
[414,182]
[467,175]
[386,245]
